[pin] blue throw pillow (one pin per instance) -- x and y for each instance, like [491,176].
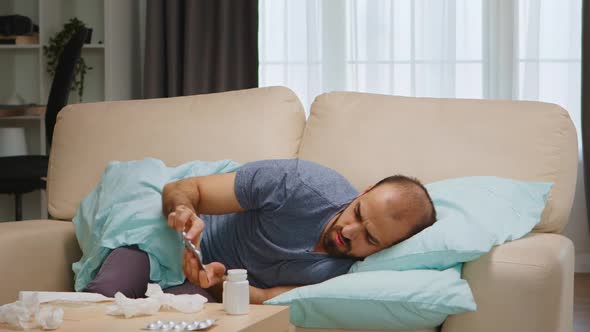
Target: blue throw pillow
[388,300]
[474,214]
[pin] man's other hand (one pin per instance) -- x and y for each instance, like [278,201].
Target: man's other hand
[213,276]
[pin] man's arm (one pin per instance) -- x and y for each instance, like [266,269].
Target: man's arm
[183,200]
[213,194]
[257,295]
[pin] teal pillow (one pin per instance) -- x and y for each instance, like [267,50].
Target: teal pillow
[474,214]
[389,300]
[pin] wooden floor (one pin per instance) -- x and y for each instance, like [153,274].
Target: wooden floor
[582,302]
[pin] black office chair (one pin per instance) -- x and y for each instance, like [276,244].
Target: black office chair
[22,174]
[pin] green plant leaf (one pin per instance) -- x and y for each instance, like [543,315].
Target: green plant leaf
[53,51]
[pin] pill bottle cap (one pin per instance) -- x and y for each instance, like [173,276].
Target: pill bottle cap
[237,275]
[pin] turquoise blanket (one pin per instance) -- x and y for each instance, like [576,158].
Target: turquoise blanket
[125,209]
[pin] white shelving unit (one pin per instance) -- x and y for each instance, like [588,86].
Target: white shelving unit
[113,53]
[19,46]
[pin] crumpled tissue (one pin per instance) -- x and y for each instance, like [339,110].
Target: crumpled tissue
[20,314]
[156,299]
[50,318]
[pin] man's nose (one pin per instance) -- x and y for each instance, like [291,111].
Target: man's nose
[351,231]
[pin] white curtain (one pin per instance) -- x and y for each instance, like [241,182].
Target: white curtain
[495,49]
[509,49]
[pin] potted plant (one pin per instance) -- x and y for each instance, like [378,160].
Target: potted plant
[53,50]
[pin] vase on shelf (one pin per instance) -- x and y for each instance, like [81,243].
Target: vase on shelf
[88,36]
[13,142]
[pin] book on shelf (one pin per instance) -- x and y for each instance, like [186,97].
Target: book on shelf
[21,110]
[19,39]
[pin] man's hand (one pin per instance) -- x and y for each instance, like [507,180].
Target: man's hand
[259,295]
[184,217]
[213,276]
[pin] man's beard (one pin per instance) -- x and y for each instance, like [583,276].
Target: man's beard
[330,245]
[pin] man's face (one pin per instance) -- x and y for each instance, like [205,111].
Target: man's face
[373,221]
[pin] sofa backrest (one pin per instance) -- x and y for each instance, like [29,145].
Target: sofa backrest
[367,137]
[240,125]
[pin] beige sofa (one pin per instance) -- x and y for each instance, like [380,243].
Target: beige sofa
[523,286]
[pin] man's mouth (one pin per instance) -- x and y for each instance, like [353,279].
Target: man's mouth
[339,240]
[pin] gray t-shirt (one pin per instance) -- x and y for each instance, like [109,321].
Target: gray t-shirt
[288,202]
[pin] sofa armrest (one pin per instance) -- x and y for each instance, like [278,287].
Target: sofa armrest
[524,285]
[36,255]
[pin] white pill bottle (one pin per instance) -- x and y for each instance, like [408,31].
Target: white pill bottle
[236,292]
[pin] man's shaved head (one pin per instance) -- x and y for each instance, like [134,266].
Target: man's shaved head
[416,207]
[392,210]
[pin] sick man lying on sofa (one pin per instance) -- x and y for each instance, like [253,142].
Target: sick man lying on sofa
[288,222]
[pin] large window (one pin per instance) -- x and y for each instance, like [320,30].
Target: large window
[521,49]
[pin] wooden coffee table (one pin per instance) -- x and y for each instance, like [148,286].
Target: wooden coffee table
[92,317]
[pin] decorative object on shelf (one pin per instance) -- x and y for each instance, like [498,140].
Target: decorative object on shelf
[55,47]
[88,36]
[14,99]
[19,39]
[14,142]
[18,30]
[17,25]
